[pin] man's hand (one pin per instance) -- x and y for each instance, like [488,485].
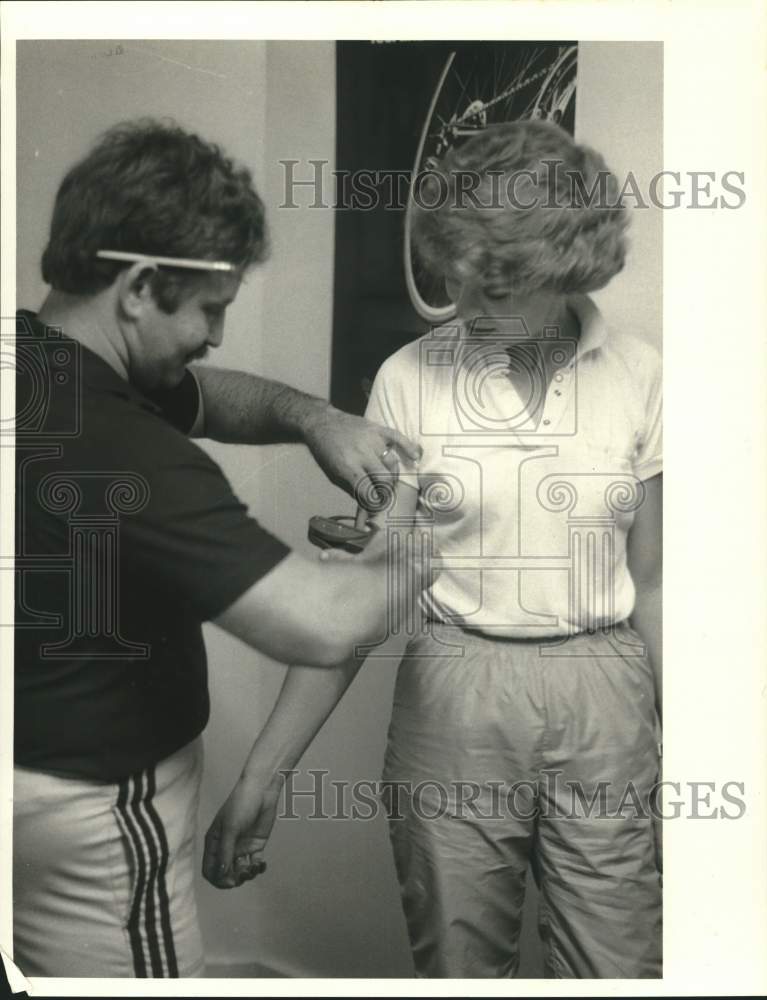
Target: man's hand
[246,409]
[235,841]
[348,449]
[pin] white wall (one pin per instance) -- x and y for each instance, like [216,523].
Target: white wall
[619,111]
[70,91]
[329,903]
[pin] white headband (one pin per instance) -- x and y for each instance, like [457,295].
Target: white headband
[199,265]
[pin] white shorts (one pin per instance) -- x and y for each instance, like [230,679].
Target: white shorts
[103,873]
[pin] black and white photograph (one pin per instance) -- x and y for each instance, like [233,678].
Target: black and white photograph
[337,571]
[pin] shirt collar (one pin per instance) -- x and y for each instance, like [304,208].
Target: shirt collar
[593,326]
[94,371]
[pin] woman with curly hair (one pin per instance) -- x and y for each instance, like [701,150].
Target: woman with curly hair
[525,721]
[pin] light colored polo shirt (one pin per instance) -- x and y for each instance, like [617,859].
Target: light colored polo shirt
[529,515]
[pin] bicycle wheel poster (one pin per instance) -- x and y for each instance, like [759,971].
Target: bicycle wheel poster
[401,107]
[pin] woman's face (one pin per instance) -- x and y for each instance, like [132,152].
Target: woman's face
[492,305]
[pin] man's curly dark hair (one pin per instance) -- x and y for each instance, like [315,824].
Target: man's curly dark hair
[150,187]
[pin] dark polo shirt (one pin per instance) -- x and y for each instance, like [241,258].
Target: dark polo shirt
[128,537]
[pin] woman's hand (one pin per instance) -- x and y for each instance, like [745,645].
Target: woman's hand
[235,841]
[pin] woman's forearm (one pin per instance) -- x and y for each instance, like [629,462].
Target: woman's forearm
[305,702]
[308,696]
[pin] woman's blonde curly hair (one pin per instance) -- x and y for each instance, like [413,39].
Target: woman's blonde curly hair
[539,212]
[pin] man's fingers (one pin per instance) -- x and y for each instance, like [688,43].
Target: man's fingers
[361,519]
[389,460]
[378,485]
[408,448]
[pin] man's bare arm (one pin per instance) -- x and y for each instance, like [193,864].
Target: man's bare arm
[311,612]
[238,408]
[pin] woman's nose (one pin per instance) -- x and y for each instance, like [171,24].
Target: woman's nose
[496,283]
[495,289]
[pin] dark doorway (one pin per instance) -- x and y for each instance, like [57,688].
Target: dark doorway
[384,93]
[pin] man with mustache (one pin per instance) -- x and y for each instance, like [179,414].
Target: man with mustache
[150,238]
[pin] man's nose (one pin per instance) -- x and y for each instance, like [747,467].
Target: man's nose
[216,333]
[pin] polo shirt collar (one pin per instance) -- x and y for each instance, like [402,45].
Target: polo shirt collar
[94,371]
[593,326]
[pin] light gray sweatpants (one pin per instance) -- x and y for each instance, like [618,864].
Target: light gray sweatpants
[506,753]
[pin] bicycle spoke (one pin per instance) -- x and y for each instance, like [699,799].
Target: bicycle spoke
[464,89]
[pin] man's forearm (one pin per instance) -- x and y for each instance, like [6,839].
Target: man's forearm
[305,702]
[238,408]
[246,409]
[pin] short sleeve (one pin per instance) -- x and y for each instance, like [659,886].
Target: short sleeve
[394,396]
[648,458]
[193,538]
[180,405]
[379,407]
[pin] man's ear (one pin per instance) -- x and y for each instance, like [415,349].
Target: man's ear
[135,289]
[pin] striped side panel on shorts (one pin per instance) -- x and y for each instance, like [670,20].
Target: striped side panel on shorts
[149,925]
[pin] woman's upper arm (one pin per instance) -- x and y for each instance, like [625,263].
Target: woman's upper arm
[390,404]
